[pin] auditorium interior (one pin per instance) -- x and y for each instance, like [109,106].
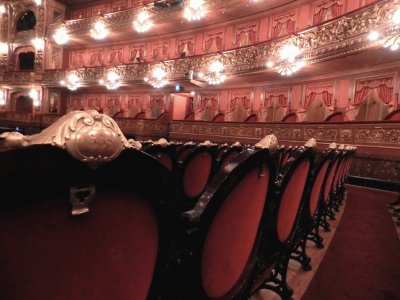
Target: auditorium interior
[200,149]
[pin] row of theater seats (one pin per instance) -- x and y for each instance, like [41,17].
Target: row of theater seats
[173,221]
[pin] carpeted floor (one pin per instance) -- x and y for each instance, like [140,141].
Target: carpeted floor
[363,260]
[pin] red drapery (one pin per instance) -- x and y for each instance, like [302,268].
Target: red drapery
[276,30]
[364,88]
[282,101]
[236,100]
[116,54]
[239,37]
[326,99]
[289,25]
[208,43]
[335,8]
[218,42]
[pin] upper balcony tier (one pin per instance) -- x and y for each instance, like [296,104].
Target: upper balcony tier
[170,21]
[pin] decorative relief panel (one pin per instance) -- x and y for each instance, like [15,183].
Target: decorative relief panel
[378,136]
[346,135]
[321,134]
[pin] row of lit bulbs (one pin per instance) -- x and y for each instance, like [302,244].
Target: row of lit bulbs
[158,78]
[33,94]
[393,41]
[142,23]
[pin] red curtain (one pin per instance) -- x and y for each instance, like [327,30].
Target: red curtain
[190,47]
[276,30]
[320,15]
[283,101]
[246,102]
[336,9]
[164,50]
[268,101]
[239,37]
[252,36]
[218,42]
[290,26]
[133,54]
[233,103]
[141,53]
[208,43]
[92,60]
[385,93]
[181,47]
[327,99]
[156,51]
[309,99]
[361,96]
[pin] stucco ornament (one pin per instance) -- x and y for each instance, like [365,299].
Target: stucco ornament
[332,145]
[89,136]
[311,143]
[268,142]
[162,142]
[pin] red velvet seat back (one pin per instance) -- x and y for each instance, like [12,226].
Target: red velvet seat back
[291,199]
[317,188]
[329,180]
[228,157]
[184,152]
[196,174]
[110,253]
[232,234]
[165,159]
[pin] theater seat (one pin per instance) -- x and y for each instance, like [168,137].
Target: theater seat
[80,229]
[229,216]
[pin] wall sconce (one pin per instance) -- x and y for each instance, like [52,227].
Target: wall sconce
[3,53]
[34,94]
[158,79]
[61,36]
[288,62]
[194,10]
[215,74]
[2,100]
[38,43]
[72,82]
[38,2]
[3,9]
[112,81]
[99,30]
[142,22]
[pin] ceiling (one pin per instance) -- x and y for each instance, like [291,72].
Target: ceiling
[76,2]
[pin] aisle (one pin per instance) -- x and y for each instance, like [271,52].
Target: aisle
[363,260]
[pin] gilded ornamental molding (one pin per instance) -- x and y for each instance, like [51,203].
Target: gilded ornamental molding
[379,134]
[341,37]
[88,136]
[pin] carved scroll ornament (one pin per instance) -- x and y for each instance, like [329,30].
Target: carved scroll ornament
[89,136]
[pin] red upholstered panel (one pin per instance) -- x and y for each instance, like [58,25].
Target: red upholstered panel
[196,174]
[329,180]
[232,234]
[165,159]
[291,200]
[108,254]
[184,153]
[316,189]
